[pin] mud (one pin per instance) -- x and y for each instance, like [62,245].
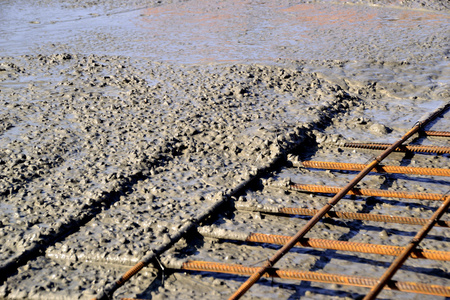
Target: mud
[120,121]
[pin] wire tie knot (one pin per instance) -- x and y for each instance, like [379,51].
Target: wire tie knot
[160,264]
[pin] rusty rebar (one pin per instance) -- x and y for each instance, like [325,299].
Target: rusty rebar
[337,214]
[305,229]
[219,233]
[401,148]
[398,262]
[348,246]
[412,287]
[324,189]
[362,216]
[378,169]
[437,133]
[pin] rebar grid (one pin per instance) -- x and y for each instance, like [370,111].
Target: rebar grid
[365,192]
[399,261]
[401,148]
[378,169]
[360,281]
[305,229]
[421,123]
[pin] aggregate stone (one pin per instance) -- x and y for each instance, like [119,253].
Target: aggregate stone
[107,147]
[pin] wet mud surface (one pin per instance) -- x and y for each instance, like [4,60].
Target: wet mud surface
[121,121]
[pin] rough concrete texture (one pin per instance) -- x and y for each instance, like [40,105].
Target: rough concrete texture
[122,120]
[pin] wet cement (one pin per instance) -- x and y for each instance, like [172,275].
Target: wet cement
[251,31]
[120,121]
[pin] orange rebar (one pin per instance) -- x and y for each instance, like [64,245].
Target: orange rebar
[342,215]
[437,133]
[412,287]
[136,268]
[378,169]
[398,262]
[320,243]
[401,148]
[365,192]
[348,246]
[307,227]
[361,216]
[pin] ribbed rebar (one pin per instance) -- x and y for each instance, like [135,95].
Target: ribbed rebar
[398,262]
[401,148]
[437,133]
[305,229]
[378,169]
[412,287]
[234,235]
[338,214]
[365,192]
[362,216]
[132,271]
[348,246]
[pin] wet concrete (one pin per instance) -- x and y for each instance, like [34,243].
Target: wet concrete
[205,31]
[121,121]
